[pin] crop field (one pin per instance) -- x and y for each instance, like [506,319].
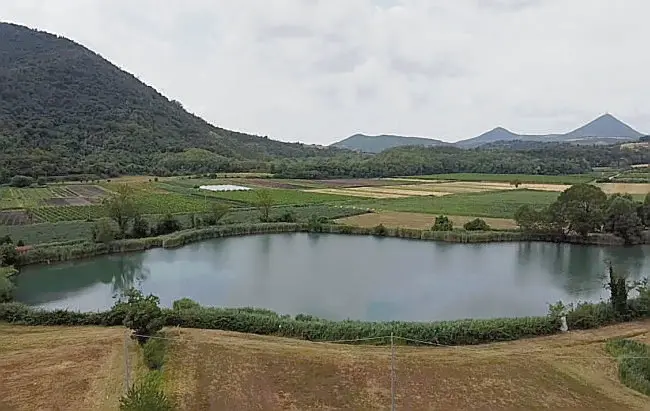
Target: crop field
[50,196]
[419,221]
[497,204]
[524,178]
[15,217]
[442,188]
[630,188]
[48,232]
[80,230]
[223,370]
[280,196]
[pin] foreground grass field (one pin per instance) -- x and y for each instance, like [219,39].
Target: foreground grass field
[82,368]
[63,368]
[219,370]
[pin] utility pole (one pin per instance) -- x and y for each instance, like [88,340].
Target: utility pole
[392,373]
[127,376]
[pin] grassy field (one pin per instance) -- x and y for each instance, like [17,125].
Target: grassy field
[419,221]
[497,204]
[82,368]
[63,368]
[280,196]
[221,370]
[524,178]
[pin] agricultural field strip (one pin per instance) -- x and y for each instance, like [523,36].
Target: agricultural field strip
[351,193]
[507,178]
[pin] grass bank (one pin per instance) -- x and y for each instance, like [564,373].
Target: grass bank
[633,359]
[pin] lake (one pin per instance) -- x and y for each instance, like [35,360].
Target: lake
[342,276]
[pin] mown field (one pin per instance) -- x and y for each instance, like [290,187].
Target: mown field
[222,370]
[497,204]
[63,368]
[524,178]
[420,221]
[82,368]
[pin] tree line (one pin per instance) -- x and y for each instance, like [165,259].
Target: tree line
[583,209]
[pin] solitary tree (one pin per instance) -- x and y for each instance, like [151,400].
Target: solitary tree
[120,207]
[264,202]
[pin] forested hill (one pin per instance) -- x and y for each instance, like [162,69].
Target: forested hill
[65,109]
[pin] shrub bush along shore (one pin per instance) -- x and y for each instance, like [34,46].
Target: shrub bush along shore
[77,250]
[265,322]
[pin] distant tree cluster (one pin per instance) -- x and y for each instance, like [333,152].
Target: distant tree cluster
[584,209]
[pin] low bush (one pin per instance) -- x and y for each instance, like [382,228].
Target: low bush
[154,352]
[442,223]
[633,363]
[477,224]
[147,395]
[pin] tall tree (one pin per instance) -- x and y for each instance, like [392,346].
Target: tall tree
[622,219]
[120,207]
[264,202]
[581,207]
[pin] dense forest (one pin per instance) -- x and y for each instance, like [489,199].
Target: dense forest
[66,111]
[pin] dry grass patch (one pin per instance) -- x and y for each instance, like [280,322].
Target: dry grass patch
[224,370]
[406,191]
[630,188]
[62,368]
[352,193]
[420,221]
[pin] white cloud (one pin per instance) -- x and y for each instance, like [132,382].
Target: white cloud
[320,70]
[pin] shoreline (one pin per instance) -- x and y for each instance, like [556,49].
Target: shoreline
[80,250]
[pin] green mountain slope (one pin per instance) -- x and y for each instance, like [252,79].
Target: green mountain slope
[377,144]
[66,110]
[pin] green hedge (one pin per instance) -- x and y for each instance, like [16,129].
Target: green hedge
[265,322]
[633,363]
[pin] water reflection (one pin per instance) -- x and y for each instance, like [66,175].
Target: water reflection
[342,277]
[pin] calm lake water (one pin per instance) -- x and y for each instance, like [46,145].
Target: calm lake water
[338,277]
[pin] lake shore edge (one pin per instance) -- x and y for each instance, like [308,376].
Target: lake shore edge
[54,253]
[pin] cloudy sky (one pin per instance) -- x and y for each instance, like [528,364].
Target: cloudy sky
[319,70]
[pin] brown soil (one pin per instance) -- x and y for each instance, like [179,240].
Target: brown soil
[14,217]
[70,201]
[88,191]
[417,220]
[213,370]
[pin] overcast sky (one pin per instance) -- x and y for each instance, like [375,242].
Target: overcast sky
[320,70]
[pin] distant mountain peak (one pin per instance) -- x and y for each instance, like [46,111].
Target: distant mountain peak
[606,125]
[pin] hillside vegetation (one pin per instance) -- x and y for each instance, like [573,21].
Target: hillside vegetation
[66,110]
